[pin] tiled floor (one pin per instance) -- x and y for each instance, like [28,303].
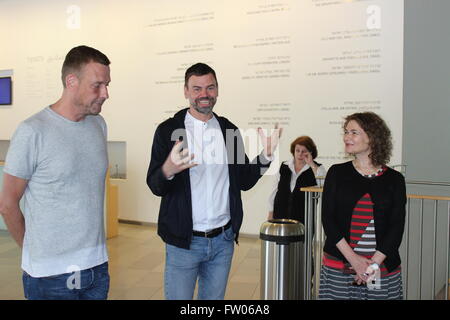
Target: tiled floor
[136,262]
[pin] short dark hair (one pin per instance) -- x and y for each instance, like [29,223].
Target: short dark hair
[380,139]
[198,69]
[307,142]
[77,57]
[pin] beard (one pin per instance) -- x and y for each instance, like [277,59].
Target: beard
[204,110]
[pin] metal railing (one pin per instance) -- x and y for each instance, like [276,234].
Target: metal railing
[429,183]
[413,256]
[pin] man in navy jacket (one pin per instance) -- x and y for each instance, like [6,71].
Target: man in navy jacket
[199,167]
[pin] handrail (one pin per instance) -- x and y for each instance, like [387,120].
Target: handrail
[426,183]
[311,189]
[418,196]
[429,183]
[410,196]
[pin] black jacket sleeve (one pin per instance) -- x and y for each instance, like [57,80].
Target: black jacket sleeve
[329,207]
[248,173]
[389,244]
[161,148]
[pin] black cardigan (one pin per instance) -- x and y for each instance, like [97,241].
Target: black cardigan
[343,187]
[175,213]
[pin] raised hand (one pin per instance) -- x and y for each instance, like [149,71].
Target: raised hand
[177,161]
[308,159]
[270,143]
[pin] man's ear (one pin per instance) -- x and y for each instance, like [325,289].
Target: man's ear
[71,80]
[185,92]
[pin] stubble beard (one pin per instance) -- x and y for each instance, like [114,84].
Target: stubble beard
[204,110]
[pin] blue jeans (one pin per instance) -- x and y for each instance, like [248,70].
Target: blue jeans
[208,260]
[89,284]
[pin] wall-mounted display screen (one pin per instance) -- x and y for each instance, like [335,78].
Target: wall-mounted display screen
[5,91]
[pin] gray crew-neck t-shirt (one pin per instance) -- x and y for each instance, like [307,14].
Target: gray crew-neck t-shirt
[65,163]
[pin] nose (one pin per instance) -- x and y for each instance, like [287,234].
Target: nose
[104,93]
[204,93]
[346,137]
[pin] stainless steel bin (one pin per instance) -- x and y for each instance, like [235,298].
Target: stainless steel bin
[282,255]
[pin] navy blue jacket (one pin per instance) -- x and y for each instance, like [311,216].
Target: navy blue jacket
[175,213]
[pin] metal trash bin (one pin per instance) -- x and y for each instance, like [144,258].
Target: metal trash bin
[282,255]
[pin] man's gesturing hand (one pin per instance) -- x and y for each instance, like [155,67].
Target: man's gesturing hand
[177,161]
[270,143]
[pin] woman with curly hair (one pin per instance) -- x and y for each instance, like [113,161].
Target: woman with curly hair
[363,216]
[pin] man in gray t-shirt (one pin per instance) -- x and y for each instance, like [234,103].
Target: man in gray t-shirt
[57,161]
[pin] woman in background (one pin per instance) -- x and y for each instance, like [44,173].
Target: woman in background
[363,216]
[286,200]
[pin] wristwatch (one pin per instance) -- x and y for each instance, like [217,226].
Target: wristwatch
[374,266]
[371,269]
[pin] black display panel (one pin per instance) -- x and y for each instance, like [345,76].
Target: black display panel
[5,91]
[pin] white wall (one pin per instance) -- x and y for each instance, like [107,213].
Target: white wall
[304,64]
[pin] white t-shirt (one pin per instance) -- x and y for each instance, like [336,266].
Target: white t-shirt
[65,163]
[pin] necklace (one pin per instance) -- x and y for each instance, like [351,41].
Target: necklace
[372,175]
[367,175]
